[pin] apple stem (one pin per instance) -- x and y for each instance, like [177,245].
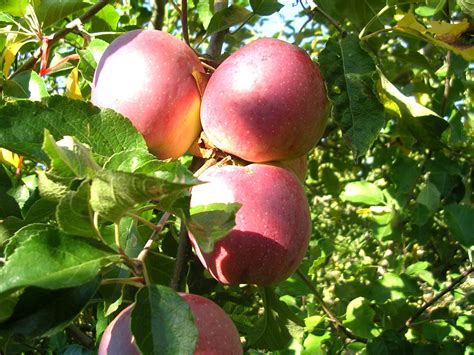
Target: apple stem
[338,324]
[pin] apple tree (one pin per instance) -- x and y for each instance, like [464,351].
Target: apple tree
[114,202]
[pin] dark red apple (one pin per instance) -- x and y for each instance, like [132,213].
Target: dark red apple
[147,76]
[217,334]
[272,229]
[266,102]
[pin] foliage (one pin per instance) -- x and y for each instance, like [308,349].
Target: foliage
[390,184]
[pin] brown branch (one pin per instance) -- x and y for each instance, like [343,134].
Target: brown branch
[77,334]
[182,257]
[184,20]
[458,280]
[217,39]
[319,10]
[157,229]
[326,309]
[55,37]
[157,14]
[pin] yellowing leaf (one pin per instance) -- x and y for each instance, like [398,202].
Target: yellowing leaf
[73,90]
[9,157]
[9,56]
[409,24]
[442,28]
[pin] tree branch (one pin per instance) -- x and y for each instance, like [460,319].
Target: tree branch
[184,20]
[315,8]
[217,39]
[157,15]
[326,309]
[156,231]
[55,37]
[182,257]
[84,339]
[435,299]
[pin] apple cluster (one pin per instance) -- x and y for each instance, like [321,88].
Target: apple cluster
[265,105]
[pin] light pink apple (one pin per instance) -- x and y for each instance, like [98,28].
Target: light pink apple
[272,229]
[147,76]
[217,334]
[267,101]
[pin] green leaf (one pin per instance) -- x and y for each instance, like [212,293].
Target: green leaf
[419,269]
[69,157]
[26,85]
[14,7]
[363,192]
[394,287]
[211,223]
[7,305]
[388,343]
[350,75]
[49,188]
[460,221]
[204,8]
[113,193]
[360,317]
[133,160]
[66,261]
[228,17]
[271,331]
[429,196]
[265,7]
[109,16]
[51,11]
[431,9]
[162,322]
[106,132]
[90,57]
[74,214]
[467,6]
[42,312]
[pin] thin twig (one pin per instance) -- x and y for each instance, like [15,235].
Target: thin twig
[447,80]
[146,222]
[84,339]
[158,228]
[326,309]
[182,256]
[217,39]
[337,26]
[55,37]
[458,280]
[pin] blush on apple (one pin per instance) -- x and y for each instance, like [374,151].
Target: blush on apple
[217,334]
[272,229]
[147,76]
[299,166]
[266,102]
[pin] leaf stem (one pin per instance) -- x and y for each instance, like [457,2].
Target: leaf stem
[146,222]
[95,223]
[458,280]
[132,281]
[372,20]
[117,238]
[55,37]
[326,309]
[156,231]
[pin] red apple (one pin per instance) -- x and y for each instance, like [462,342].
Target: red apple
[266,102]
[217,334]
[147,76]
[272,229]
[298,166]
